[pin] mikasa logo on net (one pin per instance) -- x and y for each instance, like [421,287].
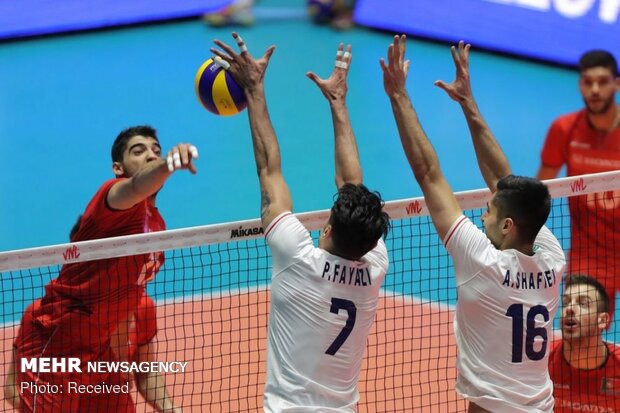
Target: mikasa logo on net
[608,10]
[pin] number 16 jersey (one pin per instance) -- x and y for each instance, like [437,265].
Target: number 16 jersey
[322,309]
[504,317]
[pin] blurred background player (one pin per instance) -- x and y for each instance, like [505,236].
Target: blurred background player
[588,141]
[323,300]
[585,369]
[337,13]
[83,307]
[497,288]
[237,13]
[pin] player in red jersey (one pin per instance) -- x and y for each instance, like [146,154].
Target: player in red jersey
[137,345]
[84,306]
[588,141]
[585,370]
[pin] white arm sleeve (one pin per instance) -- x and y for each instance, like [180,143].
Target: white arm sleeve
[287,238]
[547,242]
[470,248]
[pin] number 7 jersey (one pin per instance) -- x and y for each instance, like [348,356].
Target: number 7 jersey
[322,309]
[504,317]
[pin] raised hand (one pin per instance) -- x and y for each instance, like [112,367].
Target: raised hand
[247,71]
[395,72]
[182,157]
[460,88]
[335,88]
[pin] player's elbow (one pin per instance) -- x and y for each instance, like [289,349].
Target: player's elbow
[269,169]
[427,174]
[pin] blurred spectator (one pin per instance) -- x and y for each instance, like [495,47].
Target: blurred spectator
[337,13]
[584,369]
[237,13]
[588,141]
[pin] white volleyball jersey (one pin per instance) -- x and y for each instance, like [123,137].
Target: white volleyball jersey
[322,308]
[504,318]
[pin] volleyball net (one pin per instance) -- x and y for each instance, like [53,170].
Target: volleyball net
[212,303]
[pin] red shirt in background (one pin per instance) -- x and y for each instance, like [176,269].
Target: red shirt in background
[595,218]
[576,390]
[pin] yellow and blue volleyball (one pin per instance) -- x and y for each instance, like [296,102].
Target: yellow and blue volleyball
[217,90]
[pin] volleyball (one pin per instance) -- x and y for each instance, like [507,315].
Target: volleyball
[217,90]
[321,11]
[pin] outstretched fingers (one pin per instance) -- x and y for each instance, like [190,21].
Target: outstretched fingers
[230,53]
[268,53]
[397,51]
[442,85]
[315,78]
[181,157]
[343,57]
[464,50]
[384,67]
[460,55]
[243,48]
[402,48]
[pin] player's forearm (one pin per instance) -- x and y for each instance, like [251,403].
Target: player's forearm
[348,168]
[266,149]
[491,159]
[147,181]
[152,387]
[419,151]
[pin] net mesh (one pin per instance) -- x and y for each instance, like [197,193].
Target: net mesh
[212,305]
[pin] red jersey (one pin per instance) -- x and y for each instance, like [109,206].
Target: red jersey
[83,306]
[595,218]
[144,327]
[578,390]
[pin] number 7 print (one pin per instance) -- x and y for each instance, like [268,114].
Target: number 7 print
[337,305]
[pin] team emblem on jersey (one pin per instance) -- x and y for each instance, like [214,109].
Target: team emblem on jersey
[610,386]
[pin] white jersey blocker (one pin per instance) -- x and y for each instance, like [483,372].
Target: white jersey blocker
[499,291]
[304,323]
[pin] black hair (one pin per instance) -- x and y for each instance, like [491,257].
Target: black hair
[596,58]
[120,143]
[526,201]
[579,279]
[357,220]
